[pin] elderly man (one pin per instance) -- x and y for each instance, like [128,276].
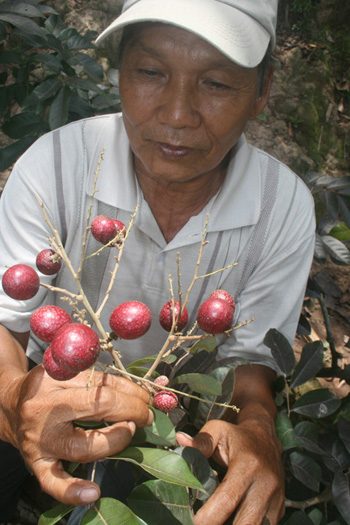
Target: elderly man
[192,72]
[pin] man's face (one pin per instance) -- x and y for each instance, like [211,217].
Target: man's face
[184,104]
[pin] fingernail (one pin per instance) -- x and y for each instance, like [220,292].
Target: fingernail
[184,434]
[132,427]
[88,495]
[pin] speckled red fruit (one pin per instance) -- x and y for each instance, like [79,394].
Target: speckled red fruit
[48,262]
[75,347]
[103,229]
[47,320]
[130,320]
[161,381]
[55,371]
[21,282]
[225,296]
[214,316]
[120,227]
[165,401]
[166,316]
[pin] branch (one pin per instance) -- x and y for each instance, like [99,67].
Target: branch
[322,498]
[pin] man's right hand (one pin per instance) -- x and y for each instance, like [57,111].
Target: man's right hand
[39,414]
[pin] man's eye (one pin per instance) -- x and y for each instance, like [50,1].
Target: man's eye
[148,72]
[217,85]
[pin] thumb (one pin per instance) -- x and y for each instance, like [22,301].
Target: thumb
[55,481]
[202,441]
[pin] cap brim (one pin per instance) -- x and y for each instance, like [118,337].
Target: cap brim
[235,34]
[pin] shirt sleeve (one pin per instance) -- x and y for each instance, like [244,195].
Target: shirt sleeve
[24,232]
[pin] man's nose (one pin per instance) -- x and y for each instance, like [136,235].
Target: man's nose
[178,107]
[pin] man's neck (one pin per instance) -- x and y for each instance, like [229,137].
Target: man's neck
[173,204]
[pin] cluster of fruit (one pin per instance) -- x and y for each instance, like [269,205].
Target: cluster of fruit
[75,346]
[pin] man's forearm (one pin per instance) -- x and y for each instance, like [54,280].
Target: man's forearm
[13,366]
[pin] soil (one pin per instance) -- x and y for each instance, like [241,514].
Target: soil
[275,133]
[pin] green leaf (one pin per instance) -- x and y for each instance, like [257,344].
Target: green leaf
[320,253]
[22,8]
[58,115]
[317,403]
[75,40]
[341,232]
[162,464]
[307,435]
[109,510]
[54,515]
[285,432]
[11,153]
[311,361]
[49,61]
[201,383]
[85,85]
[281,350]
[23,124]
[208,344]
[151,359]
[159,502]
[23,23]
[139,371]
[341,494]
[306,470]
[201,469]
[55,25]
[337,250]
[48,88]
[344,431]
[91,67]
[202,412]
[161,432]
[299,518]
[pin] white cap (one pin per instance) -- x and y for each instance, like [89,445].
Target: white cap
[240,29]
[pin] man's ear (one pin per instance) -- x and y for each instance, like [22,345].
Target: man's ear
[262,99]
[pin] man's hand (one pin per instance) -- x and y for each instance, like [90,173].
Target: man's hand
[247,445]
[254,480]
[40,411]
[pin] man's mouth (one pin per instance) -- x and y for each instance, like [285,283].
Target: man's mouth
[173,151]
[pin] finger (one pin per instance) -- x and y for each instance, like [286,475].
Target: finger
[202,441]
[100,379]
[86,446]
[63,487]
[96,404]
[225,499]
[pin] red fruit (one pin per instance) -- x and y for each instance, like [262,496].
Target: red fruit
[225,296]
[165,401]
[166,316]
[21,282]
[130,320]
[47,320]
[48,262]
[55,371]
[215,316]
[161,381]
[103,229]
[75,347]
[120,227]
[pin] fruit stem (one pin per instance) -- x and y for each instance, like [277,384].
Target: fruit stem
[170,389]
[114,273]
[83,244]
[60,248]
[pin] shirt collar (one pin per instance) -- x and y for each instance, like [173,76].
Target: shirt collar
[237,203]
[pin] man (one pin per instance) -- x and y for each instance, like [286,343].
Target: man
[192,72]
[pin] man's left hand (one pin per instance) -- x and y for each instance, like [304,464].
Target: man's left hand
[254,483]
